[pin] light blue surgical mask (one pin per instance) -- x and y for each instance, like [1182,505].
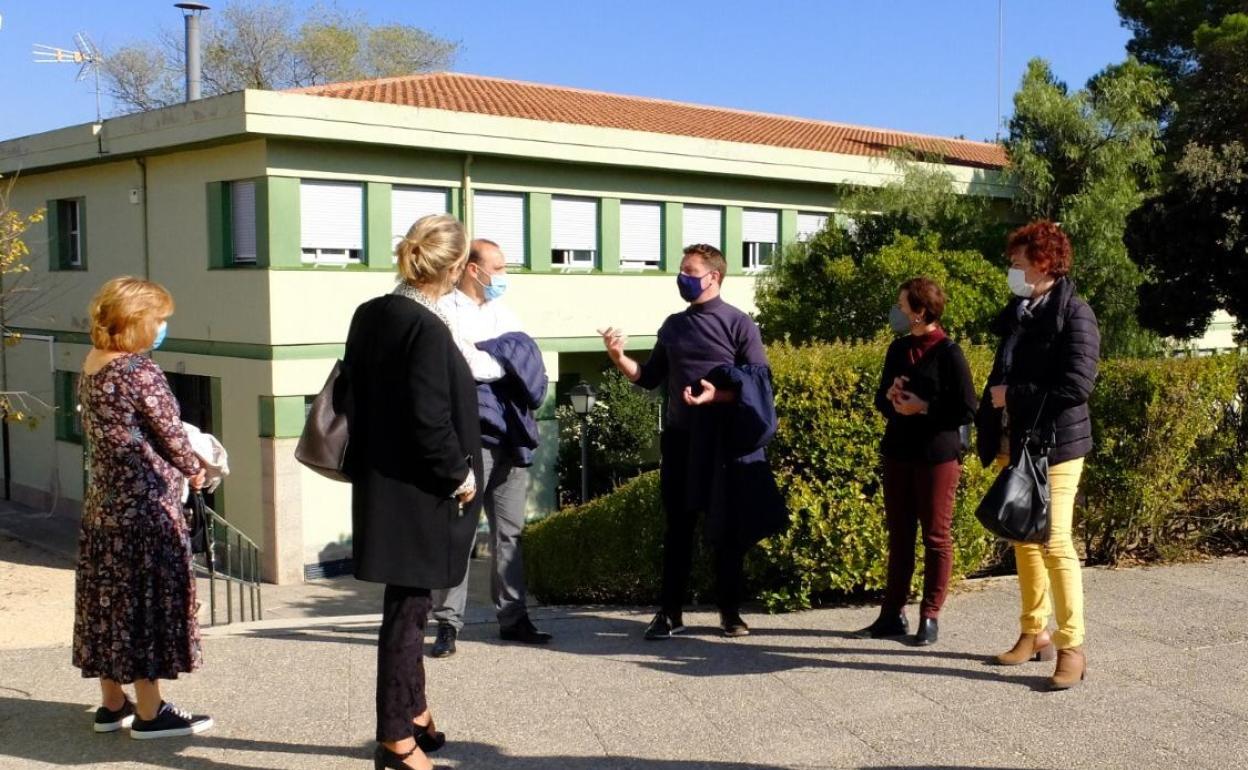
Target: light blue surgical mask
[161,332]
[496,288]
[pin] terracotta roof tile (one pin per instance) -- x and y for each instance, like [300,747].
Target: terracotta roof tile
[557,104]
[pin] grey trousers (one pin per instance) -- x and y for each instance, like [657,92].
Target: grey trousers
[506,490]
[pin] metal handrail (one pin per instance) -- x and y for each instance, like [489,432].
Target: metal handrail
[241,569]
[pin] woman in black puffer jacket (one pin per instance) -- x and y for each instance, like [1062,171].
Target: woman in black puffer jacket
[1044,371]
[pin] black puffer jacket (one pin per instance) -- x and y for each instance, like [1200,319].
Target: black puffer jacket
[1056,353]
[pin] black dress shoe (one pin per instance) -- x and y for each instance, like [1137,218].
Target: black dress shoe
[444,645]
[523,630]
[732,624]
[928,633]
[885,626]
[664,626]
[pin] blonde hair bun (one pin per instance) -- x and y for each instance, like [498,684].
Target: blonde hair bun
[433,247]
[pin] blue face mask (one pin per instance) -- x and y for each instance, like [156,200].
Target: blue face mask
[161,333]
[496,288]
[690,286]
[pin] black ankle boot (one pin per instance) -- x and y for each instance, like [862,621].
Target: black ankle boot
[886,625]
[928,633]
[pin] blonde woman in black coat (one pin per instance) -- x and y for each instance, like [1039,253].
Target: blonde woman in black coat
[415,442]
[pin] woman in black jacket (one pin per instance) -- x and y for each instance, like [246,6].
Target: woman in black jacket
[927,395]
[1045,367]
[415,440]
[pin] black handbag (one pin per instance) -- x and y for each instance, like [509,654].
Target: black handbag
[323,444]
[198,524]
[1016,506]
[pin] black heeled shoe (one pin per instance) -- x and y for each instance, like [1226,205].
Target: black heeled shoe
[385,759]
[428,737]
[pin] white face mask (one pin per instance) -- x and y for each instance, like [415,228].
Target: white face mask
[1018,283]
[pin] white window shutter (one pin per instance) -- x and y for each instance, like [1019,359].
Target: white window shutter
[574,224]
[499,217]
[760,226]
[703,224]
[331,215]
[408,204]
[809,224]
[641,233]
[243,222]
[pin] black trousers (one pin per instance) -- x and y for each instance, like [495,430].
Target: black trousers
[401,662]
[678,537]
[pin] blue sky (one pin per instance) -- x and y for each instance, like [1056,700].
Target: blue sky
[905,64]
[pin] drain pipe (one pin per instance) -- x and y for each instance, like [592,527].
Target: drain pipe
[466,195]
[147,252]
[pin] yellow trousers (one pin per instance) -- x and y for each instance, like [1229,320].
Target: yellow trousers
[1049,577]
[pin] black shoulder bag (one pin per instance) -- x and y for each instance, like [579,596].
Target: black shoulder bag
[1017,504]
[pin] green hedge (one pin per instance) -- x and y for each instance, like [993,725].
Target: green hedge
[1168,477]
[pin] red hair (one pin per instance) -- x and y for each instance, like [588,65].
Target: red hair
[1045,246]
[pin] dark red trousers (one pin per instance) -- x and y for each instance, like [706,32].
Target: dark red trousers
[919,495]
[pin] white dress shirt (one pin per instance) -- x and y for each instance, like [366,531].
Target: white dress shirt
[472,323]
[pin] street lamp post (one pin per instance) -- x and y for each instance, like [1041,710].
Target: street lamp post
[583,398]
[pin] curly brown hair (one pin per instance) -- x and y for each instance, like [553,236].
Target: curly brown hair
[1046,246]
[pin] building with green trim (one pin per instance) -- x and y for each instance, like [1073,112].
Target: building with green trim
[271,216]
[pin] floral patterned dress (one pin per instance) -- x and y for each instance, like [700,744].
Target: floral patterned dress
[135,607]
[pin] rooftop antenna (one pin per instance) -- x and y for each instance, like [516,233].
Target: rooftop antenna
[85,54]
[1000,55]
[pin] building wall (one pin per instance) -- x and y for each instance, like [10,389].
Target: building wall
[268,334]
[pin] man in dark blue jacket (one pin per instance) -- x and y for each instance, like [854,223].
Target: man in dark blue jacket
[511,384]
[720,415]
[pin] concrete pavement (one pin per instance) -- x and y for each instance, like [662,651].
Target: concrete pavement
[1167,689]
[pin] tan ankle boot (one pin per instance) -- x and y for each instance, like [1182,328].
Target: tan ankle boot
[1029,647]
[1072,668]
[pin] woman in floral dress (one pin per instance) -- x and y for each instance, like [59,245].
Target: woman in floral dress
[134,615]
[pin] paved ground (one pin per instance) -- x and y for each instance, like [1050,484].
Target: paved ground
[1168,689]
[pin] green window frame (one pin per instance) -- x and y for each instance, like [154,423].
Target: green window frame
[67,234]
[223,241]
[68,417]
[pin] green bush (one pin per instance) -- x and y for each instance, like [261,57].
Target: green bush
[607,551]
[1168,477]
[1168,473]
[826,460]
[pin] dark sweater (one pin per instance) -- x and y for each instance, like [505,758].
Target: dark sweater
[694,343]
[1052,352]
[942,378]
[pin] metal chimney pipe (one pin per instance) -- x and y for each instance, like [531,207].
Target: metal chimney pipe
[194,64]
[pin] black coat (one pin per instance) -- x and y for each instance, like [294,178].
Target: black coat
[942,378]
[414,433]
[1056,353]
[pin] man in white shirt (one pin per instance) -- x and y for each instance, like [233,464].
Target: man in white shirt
[477,313]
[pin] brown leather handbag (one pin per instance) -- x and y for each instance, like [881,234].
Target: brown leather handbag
[323,444]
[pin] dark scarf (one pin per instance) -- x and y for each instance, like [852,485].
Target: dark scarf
[920,344]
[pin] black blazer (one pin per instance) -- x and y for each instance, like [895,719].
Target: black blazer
[1057,353]
[414,435]
[943,379]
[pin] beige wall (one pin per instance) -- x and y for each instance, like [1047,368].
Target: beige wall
[178,213]
[114,229]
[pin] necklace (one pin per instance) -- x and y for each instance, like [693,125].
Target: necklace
[404,289]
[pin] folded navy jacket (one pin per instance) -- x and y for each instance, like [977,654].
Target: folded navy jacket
[508,406]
